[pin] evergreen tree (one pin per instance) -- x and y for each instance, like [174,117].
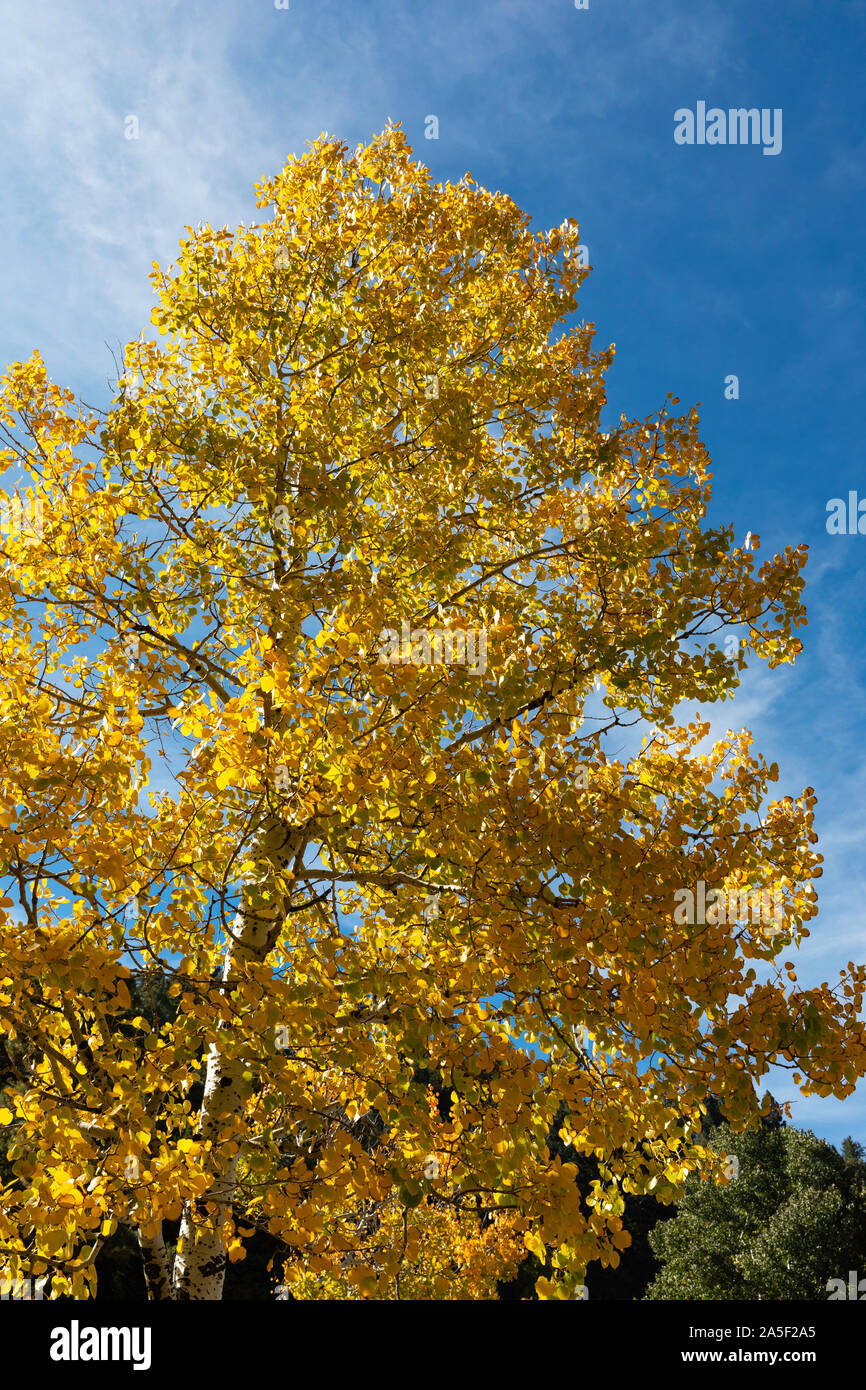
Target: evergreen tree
[790,1217]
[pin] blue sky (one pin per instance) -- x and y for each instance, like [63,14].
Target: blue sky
[707,260]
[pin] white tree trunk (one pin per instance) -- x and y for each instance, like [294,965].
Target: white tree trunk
[199,1265]
[155,1260]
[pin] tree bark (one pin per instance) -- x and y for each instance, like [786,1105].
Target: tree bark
[157,1276]
[200,1262]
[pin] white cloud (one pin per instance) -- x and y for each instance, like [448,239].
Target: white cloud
[92,209]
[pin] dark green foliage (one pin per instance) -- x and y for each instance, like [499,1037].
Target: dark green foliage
[793,1218]
[119,1271]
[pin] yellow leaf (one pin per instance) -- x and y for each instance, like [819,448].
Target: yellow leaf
[535,1245]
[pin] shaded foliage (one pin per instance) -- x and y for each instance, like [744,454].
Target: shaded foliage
[792,1218]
